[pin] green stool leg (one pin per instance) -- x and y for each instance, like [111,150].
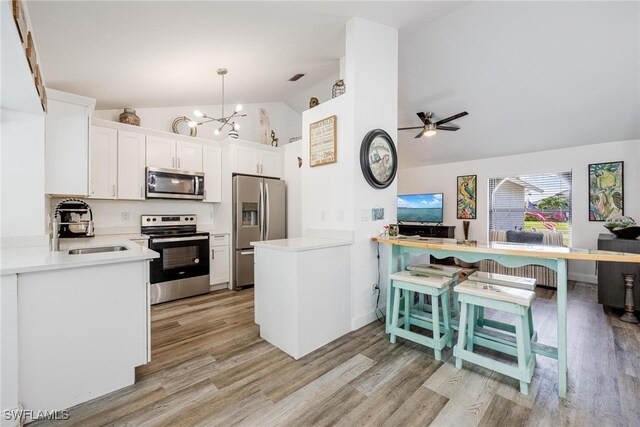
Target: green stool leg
[523,343]
[480,316]
[408,302]
[446,313]
[472,322]
[435,316]
[395,313]
[530,321]
[462,333]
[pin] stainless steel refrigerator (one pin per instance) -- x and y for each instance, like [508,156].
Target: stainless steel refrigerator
[259,213]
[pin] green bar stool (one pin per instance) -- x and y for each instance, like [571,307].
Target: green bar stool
[518,282]
[438,270]
[437,287]
[473,295]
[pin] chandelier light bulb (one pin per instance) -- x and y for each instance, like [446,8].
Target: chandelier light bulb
[238,108]
[216,132]
[198,113]
[236,126]
[193,124]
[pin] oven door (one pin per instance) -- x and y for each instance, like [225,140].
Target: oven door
[181,257]
[174,184]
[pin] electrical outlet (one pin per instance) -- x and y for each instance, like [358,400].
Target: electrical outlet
[125,216]
[374,289]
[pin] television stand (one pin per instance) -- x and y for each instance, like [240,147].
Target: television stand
[423,230]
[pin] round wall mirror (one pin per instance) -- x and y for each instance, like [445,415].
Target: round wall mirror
[181,126]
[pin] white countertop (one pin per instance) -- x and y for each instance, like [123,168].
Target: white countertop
[298,244]
[40,258]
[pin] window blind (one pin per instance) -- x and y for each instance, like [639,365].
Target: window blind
[536,202]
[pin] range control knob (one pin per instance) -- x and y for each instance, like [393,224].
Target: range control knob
[155,219]
[148,219]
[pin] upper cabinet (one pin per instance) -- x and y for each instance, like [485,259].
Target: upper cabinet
[169,153]
[131,170]
[103,152]
[212,166]
[67,144]
[256,161]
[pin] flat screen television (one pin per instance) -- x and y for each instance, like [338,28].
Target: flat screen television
[420,208]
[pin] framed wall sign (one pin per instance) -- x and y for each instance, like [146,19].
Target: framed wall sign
[322,142]
[606,190]
[467,196]
[378,159]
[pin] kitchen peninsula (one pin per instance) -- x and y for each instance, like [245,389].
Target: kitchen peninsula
[77,323]
[302,292]
[509,255]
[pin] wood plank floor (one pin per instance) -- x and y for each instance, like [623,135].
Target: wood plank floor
[211,368]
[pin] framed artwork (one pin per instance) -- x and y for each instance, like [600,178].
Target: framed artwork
[378,159]
[606,190]
[467,196]
[322,142]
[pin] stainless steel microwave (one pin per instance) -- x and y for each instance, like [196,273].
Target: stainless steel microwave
[174,184]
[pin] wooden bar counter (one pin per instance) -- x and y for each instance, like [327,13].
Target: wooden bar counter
[509,255]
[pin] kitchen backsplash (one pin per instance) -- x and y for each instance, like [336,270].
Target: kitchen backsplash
[125,214]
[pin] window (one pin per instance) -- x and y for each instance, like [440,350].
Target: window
[538,202]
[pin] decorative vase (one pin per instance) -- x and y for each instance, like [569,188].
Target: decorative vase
[465,228]
[338,88]
[313,102]
[129,117]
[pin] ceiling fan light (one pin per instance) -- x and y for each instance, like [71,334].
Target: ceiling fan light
[198,113]
[430,133]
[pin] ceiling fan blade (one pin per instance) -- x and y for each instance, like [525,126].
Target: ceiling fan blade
[423,117]
[415,127]
[420,134]
[448,119]
[447,128]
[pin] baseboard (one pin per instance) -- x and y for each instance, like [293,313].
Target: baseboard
[580,277]
[366,318]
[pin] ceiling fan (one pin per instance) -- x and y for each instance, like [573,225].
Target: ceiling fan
[430,127]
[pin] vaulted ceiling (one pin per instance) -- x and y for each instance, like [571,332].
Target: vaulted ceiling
[533,75]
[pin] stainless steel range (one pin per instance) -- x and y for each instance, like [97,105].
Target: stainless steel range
[183,267]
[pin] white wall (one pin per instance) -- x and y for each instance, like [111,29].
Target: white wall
[442,178]
[336,196]
[284,121]
[322,91]
[22,151]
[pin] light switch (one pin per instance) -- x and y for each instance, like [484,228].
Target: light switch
[365,215]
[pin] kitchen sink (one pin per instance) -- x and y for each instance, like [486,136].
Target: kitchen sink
[100,249]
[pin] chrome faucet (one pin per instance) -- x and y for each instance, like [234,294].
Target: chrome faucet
[54,237]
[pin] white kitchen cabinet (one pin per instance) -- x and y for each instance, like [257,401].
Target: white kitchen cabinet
[271,164]
[160,152]
[212,168]
[131,162]
[219,262]
[67,143]
[103,152]
[189,155]
[255,161]
[169,153]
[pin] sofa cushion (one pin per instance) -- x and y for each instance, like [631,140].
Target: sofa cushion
[514,236]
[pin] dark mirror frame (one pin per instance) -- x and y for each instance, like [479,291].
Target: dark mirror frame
[364,158]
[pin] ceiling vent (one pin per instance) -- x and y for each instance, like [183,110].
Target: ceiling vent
[296,77]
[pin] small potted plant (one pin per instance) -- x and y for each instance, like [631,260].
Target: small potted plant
[623,227]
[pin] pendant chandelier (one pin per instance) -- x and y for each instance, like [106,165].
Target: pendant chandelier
[226,121]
